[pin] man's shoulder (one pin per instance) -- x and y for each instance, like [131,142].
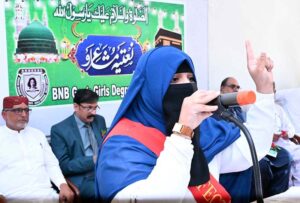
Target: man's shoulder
[30,131]
[27,129]
[34,131]
[66,122]
[2,127]
[99,119]
[2,131]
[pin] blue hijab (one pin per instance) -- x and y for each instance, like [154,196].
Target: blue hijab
[143,103]
[151,79]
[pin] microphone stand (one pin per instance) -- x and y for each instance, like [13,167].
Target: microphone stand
[227,115]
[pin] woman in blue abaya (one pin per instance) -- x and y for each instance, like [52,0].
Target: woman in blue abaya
[156,150]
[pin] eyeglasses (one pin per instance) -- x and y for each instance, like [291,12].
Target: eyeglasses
[18,111]
[90,108]
[233,86]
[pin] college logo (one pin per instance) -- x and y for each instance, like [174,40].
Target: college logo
[32,83]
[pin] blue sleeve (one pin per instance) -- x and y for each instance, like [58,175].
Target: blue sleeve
[122,161]
[216,135]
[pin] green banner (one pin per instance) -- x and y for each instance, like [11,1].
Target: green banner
[56,47]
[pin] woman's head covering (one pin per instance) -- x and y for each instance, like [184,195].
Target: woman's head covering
[143,101]
[10,101]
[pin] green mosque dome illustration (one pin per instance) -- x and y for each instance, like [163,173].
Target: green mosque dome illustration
[36,38]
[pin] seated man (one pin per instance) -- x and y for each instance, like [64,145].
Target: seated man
[27,164]
[289,99]
[75,142]
[283,133]
[274,169]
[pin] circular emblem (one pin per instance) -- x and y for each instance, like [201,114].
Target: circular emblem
[33,84]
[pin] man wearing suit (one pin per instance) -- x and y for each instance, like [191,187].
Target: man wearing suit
[75,142]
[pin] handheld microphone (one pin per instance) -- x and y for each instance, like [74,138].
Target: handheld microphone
[233,99]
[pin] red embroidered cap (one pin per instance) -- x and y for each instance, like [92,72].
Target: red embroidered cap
[10,101]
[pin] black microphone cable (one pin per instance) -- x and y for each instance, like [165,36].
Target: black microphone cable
[227,115]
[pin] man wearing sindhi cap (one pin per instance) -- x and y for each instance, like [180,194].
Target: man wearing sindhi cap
[27,164]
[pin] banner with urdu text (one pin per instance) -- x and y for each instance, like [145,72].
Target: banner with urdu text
[55,47]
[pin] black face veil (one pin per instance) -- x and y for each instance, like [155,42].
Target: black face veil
[172,105]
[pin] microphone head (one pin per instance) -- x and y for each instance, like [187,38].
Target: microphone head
[246,97]
[235,98]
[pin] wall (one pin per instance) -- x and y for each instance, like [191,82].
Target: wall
[273,26]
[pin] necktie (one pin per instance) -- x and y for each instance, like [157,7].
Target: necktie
[92,139]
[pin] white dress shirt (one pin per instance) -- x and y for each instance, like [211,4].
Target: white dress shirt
[283,122]
[27,164]
[289,99]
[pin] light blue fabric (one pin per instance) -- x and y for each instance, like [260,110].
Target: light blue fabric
[216,135]
[83,130]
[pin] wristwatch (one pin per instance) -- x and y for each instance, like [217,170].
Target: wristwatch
[183,130]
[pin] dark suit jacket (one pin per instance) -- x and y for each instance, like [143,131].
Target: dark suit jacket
[68,147]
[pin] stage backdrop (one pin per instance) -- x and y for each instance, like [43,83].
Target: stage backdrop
[56,47]
[168,22]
